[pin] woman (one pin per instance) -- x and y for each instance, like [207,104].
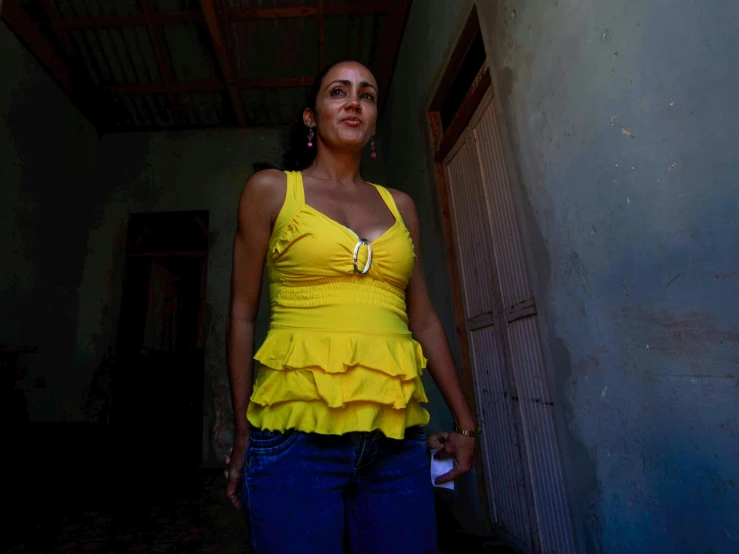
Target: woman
[332,449]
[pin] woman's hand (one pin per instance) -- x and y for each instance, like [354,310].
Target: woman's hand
[462,450]
[234,470]
[436,440]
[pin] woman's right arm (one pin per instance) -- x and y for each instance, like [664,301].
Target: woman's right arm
[259,205]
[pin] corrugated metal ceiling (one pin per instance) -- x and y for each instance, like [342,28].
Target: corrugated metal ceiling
[156,64]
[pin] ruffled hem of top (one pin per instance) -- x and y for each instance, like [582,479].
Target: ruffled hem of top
[316,417]
[335,390]
[330,352]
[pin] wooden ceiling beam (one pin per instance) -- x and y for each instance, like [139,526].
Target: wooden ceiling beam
[82,94]
[22,25]
[60,35]
[387,52]
[182,87]
[366,7]
[218,29]
[212,85]
[108,21]
[165,68]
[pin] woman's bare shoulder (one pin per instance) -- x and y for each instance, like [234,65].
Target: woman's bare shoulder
[265,188]
[405,203]
[267,182]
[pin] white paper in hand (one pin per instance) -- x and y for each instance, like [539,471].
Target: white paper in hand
[440,467]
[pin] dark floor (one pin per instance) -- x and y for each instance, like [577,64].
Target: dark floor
[201,520]
[72,490]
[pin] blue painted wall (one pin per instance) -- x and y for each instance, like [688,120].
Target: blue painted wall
[623,120]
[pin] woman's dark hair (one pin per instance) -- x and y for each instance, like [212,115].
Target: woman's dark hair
[297,154]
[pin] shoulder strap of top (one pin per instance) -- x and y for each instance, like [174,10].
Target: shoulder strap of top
[294,193]
[294,199]
[296,186]
[389,201]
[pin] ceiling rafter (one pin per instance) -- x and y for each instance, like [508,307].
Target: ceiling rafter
[165,68]
[61,36]
[22,25]
[213,85]
[60,40]
[139,20]
[82,92]
[218,28]
[366,7]
[389,45]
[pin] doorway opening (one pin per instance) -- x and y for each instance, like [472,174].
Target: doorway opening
[521,478]
[158,387]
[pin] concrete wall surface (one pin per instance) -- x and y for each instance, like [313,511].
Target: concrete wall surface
[151,172]
[48,156]
[621,121]
[66,199]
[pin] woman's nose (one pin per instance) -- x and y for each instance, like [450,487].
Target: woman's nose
[353,102]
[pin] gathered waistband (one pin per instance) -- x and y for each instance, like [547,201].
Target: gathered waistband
[358,303]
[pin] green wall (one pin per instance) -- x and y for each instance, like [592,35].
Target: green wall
[408,167]
[150,172]
[407,163]
[48,156]
[65,198]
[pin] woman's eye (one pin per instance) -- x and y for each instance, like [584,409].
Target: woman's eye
[337,91]
[368,96]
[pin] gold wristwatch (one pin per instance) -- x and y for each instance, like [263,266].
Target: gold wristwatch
[467,433]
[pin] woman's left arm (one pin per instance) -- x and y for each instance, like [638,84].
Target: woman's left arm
[428,331]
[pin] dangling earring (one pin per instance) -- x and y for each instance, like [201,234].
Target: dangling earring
[310,138]
[374,154]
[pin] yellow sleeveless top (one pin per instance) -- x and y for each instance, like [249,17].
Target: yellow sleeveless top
[339,356]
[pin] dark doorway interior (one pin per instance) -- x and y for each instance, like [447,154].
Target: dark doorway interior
[157,404]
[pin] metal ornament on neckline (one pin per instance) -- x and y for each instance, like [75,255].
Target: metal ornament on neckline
[367,266]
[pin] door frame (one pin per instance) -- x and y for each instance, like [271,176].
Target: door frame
[440,144]
[483,99]
[136,255]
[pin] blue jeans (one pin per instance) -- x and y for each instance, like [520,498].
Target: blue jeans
[363,493]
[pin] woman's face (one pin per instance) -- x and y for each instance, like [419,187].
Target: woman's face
[346,107]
